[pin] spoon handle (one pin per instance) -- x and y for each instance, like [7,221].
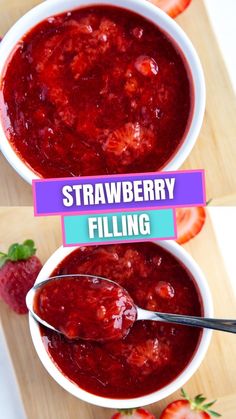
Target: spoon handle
[225,325]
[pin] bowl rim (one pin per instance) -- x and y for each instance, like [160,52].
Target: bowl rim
[186,374]
[144,8]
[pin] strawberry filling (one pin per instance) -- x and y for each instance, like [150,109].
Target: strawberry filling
[93,309]
[152,354]
[98,90]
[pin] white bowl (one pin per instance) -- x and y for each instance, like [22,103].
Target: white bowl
[144,8]
[200,352]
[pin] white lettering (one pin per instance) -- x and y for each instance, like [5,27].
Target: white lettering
[170,183]
[100,227]
[99,194]
[92,225]
[138,190]
[148,190]
[132,221]
[117,192]
[113,191]
[119,226]
[88,194]
[144,224]
[116,232]
[106,227]
[77,189]
[160,189]
[127,192]
[68,200]
[124,225]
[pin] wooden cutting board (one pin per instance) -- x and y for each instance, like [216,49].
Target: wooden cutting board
[45,399]
[216,147]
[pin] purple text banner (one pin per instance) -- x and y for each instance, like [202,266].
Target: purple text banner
[93,194]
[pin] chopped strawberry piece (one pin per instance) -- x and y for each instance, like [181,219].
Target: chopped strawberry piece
[147,356]
[147,66]
[172,7]
[137,32]
[101,312]
[143,353]
[128,143]
[189,222]
[131,86]
[165,290]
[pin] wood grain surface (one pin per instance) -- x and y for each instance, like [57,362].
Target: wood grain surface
[45,399]
[215,150]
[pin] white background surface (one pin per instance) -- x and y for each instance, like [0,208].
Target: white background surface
[222,14]
[224,223]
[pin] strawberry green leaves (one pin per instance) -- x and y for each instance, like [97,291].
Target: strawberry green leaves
[18,252]
[197,404]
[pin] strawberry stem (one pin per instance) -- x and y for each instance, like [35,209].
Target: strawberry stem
[18,252]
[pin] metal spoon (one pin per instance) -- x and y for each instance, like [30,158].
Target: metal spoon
[225,325]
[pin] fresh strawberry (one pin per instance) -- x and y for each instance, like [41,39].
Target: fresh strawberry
[19,269]
[133,414]
[172,7]
[189,409]
[189,222]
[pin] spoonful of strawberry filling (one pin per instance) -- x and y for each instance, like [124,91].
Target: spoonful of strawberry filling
[83,306]
[94,308]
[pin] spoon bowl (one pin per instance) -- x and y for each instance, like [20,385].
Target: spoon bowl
[95,308]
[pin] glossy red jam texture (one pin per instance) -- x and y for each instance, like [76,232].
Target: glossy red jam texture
[86,307]
[98,90]
[153,354]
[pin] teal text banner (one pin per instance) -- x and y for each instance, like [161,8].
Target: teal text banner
[118,227]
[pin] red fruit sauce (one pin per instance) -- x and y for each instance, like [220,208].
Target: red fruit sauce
[99,90]
[86,307]
[153,354]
